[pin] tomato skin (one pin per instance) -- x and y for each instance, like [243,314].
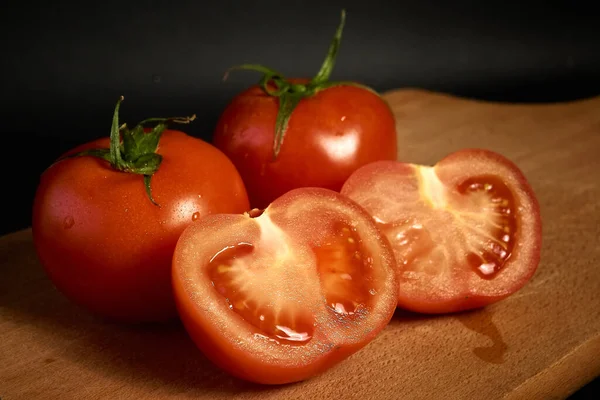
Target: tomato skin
[229,340]
[329,135]
[398,184]
[106,246]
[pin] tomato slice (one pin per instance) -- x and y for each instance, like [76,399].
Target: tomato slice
[465,232]
[281,295]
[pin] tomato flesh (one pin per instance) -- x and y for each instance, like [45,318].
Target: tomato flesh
[465,233]
[343,264]
[235,278]
[286,294]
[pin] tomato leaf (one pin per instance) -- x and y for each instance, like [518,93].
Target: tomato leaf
[146,164]
[266,71]
[103,154]
[147,179]
[137,143]
[128,144]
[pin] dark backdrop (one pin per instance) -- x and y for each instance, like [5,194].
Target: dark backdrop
[65,63]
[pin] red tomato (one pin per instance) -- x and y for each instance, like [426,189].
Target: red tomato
[106,246]
[329,136]
[465,233]
[281,296]
[290,133]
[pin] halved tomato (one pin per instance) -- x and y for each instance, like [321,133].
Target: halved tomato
[281,295]
[465,232]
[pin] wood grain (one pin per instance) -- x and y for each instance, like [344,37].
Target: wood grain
[543,342]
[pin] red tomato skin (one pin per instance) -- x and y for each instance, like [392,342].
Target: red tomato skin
[453,169]
[329,135]
[102,242]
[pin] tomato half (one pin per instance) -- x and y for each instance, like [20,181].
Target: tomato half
[465,232]
[106,246]
[330,135]
[281,296]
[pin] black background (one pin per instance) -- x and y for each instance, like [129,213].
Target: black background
[64,64]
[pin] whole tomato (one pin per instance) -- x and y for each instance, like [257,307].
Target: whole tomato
[107,216]
[289,133]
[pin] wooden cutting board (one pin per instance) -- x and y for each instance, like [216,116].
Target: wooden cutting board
[541,343]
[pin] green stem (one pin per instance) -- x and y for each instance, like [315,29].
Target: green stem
[253,67]
[178,120]
[329,62]
[115,138]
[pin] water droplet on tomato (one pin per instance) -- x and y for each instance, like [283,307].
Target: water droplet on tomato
[195,216]
[68,222]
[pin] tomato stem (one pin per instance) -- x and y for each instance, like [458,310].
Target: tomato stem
[134,150]
[115,138]
[329,62]
[290,94]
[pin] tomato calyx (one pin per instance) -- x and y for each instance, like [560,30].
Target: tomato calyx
[134,150]
[291,93]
